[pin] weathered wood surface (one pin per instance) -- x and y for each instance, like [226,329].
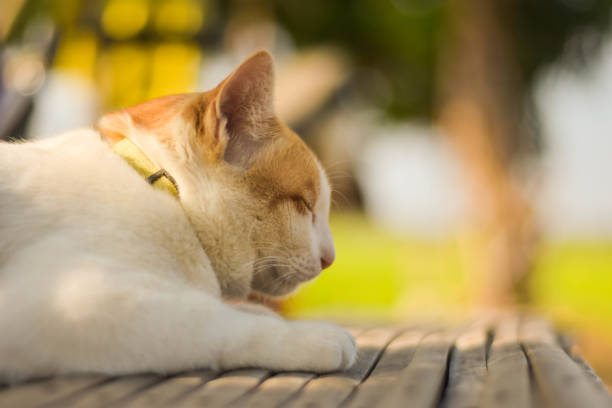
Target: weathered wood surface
[502,362]
[507,380]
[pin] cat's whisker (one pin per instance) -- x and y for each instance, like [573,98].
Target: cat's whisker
[262,259]
[338,174]
[335,203]
[283,266]
[338,204]
[264,267]
[258,266]
[268,266]
[337,170]
[332,166]
[339,179]
[281,280]
[339,194]
[274,259]
[268,257]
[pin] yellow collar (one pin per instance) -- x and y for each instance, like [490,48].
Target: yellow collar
[135,157]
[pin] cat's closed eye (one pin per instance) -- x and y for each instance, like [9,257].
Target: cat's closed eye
[303,206]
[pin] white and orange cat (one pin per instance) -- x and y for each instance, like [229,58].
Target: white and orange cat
[100,271]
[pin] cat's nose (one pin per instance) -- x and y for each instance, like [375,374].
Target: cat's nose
[327,258]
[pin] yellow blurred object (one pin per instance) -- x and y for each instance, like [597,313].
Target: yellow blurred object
[77,53]
[124,74]
[184,17]
[123,19]
[175,68]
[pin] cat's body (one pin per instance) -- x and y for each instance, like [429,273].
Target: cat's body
[101,272]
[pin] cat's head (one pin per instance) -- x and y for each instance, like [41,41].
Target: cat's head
[256,196]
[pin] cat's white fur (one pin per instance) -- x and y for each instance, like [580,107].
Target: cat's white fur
[100,272]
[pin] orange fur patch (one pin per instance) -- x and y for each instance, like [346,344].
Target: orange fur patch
[153,115]
[286,170]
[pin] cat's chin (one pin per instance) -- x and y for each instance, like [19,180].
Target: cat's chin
[265,299]
[277,282]
[276,291]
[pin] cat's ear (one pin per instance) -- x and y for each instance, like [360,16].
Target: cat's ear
[154,116]
[113,126]
[244,109]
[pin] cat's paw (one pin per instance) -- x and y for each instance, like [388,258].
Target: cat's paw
[324,346]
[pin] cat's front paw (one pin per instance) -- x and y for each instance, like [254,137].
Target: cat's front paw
[324,346]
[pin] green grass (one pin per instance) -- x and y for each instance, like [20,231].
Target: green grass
[573,281]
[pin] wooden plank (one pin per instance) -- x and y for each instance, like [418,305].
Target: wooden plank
[421,383]
[395,358]
[331,389]
[573,351]
[601,387]
[275,390]
[39,392]
[171,390]
[394,368]
[467,369]
[111,392]
[596,381]
[225,389]
[562,382]
[507,384]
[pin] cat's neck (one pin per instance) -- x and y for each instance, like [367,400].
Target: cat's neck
[161,157]
[154,174]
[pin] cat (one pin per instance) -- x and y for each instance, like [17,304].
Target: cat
[104,271]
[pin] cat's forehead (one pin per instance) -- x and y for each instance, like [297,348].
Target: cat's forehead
[288,169]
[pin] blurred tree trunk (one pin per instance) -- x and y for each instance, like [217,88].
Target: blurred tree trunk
[481,110]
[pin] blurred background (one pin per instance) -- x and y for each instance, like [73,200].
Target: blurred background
[469,142]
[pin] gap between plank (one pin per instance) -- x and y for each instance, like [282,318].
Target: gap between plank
[379,355]
[488,345]
[449,358]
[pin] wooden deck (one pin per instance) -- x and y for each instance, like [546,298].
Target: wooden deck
[503,364]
